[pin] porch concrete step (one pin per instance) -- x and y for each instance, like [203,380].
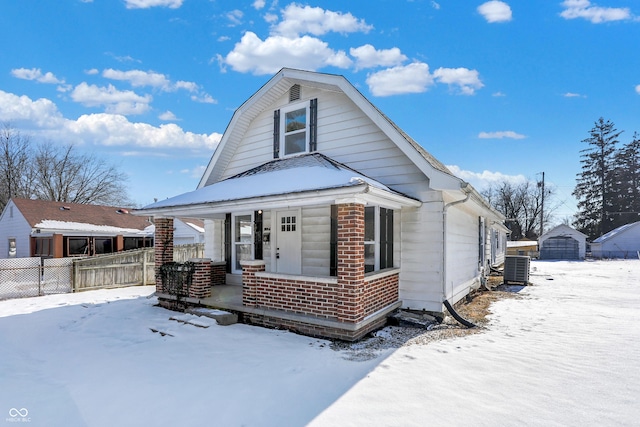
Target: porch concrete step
[223,318]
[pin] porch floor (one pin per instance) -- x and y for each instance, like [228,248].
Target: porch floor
[225,297]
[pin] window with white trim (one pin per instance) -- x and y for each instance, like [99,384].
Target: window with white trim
[243,240]
[294,129]
[378,238]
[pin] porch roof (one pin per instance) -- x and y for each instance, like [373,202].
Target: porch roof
[295,181]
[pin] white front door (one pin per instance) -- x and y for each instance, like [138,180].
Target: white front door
[288,242]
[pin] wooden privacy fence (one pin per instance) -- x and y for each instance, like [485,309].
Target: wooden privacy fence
[130,268]
[28,277]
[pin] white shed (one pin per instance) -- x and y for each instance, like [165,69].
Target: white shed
[623,242]
[563,242]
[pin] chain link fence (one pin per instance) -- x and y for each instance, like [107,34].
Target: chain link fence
[30,277]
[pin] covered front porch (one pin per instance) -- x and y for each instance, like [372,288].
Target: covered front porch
[320,260]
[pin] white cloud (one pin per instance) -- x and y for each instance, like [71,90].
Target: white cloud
[498,94]
[501,134]
[188,86]
[468,81]
[495,11]
[638,89]
[42,113]
[204,98]
[412,78]
[145,4]
[254,55]
[92,72]
[139,78]
[223,38]
[583,9]
[435,5]
[573,95]
[258,4]
[35,74]
[42,118]
[168,116]
[270,18]
[235,17]
[116,130]
[317,21]
[484,179]
[115,101]
[368,56]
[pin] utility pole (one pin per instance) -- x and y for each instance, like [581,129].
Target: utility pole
[542,208]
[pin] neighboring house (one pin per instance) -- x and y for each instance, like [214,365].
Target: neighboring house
[330,216]
[623,242]
[563,242]
[523,247]
[188,231]
[55,229]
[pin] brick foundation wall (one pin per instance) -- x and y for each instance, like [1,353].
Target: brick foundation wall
[218,273]
[163,247]
[381,292]
[296,296]
[312,330]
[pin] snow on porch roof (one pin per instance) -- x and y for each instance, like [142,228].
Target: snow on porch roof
[304,173]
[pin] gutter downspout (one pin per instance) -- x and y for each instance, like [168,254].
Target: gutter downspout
[464,187]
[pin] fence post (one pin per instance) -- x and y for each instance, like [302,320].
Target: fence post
[144,268]
[40,273]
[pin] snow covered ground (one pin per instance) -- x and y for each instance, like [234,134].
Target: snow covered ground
[567,353]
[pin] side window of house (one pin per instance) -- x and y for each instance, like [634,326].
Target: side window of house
[378,247]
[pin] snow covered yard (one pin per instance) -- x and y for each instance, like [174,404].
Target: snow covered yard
[566,353]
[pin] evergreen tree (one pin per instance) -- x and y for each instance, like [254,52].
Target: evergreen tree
[595,189]
[627,182]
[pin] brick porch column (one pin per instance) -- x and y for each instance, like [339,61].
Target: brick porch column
[350,299]
[218,273]
[163,245]
[249,281]
[201,280]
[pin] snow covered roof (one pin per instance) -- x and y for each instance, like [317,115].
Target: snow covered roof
[92,228]
[616,232]
[52,215]
[307,173]
[561,230]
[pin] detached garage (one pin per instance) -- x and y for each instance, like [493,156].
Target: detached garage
[563,242]
[623,242]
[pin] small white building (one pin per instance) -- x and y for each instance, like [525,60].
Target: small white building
[563,242]
[623,242]
[188,231]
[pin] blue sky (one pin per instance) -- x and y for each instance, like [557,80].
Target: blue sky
[497,89]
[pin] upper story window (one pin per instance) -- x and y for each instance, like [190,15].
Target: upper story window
[295,135]
[295,129]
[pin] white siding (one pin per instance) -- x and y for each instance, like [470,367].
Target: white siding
[421,258]
[183,234]
[17,227]
[345,134]
[626,244]
[463,242]
[316,236]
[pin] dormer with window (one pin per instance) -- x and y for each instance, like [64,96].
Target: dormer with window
[294,127]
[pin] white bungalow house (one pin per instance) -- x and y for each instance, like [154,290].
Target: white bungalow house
[326,217]
[623,242]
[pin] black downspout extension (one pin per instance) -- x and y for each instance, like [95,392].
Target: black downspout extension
[456,316]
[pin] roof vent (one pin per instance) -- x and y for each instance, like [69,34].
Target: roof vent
[294,93]
[65,208]
[122,211]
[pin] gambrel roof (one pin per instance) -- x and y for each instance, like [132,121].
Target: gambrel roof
[440,177]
